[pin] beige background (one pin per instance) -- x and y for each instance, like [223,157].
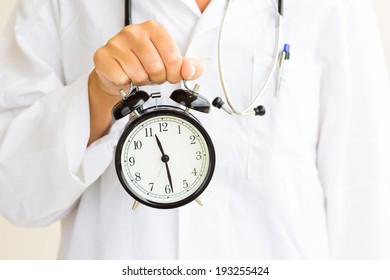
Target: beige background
[20,243]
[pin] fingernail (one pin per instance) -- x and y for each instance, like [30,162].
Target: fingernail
[192,72]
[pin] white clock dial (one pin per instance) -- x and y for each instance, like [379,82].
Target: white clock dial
[165,159]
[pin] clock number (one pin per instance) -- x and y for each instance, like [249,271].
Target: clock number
[137,145]
[185,184]
[168,189]
[132,161]
[148,132]
[194,172]
[192,138]
[151,185]
[198,155]
[137,176]
[179,128]
[163,127]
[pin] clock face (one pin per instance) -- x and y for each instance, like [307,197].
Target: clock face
[165,158]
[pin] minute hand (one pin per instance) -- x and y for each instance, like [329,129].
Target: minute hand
[165,159]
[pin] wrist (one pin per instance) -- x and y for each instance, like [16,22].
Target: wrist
[99,94]
[101,103]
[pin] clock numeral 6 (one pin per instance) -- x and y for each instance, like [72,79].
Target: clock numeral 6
[168,189]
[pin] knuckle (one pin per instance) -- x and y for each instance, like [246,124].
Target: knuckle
[99,56]
[130,31]
[117,78]
[140,78]
[172,57]
[174,79]
[152,24]
[121,80]
[113,43]
[155,69]
[157,81]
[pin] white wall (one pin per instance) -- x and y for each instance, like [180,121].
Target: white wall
[382,9]
[18,243]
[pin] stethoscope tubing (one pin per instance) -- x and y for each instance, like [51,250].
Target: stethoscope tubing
[232,109]
[250,109]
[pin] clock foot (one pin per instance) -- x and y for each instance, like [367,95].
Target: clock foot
[135,205]
[199,201]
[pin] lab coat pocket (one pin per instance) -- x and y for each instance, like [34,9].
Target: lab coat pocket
[283,142]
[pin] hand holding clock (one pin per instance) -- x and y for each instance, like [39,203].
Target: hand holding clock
[140,53]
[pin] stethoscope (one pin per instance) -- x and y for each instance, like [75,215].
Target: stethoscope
[278,61]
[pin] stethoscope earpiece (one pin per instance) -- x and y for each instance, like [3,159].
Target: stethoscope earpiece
[218,102]
[257,111]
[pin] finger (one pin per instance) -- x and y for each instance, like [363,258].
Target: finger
[139,38]
[109,68]
[168,51]
[138,57]
[117,48]
[133,68]
[151,61]
[191,69]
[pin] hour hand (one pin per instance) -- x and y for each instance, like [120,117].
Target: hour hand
[160,146]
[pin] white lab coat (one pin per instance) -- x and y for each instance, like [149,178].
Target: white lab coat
[310,179]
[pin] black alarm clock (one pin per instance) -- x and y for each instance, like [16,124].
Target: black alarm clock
[164,158]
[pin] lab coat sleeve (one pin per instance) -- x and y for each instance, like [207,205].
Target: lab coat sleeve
[45,164]
[354,141]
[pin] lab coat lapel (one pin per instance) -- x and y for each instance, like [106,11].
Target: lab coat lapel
[191,4]
[213,15]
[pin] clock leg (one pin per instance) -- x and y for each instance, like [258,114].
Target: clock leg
[199,201]
[135,205]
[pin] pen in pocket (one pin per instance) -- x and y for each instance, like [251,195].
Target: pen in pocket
[284,55]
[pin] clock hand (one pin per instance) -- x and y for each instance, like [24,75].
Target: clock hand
[160,146]
[169,176]
[161,168]
[165,159]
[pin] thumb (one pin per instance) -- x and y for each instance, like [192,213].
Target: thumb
[191,69]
